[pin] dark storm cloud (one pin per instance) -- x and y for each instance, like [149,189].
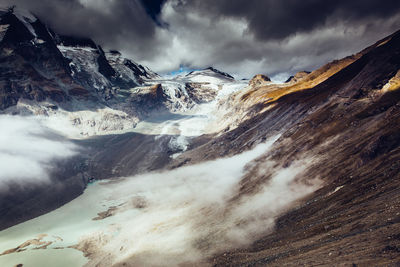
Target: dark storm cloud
[275,36]
[114,24]
[277,19]
[244,37]
[153,9]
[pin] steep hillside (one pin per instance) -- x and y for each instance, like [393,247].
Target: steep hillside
[348,126]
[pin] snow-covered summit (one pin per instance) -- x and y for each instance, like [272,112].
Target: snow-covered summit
[209,74]
[44,72]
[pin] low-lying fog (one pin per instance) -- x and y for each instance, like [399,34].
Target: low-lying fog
[161,218]
[164,218]
[27,149]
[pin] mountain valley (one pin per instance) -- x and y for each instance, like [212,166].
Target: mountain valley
[195,169]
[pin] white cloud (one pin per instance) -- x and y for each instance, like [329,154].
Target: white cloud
[239,37]
[27,149]
[189,213]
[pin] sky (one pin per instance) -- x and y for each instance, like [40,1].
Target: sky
[241,37]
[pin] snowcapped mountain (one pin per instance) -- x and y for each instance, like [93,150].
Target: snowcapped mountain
[106,72]
[60,68]
[42,72]
[203,75]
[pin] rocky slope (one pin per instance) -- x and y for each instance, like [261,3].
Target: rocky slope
[349,125]
[297,77]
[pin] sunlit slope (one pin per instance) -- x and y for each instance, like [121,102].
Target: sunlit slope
[272,92]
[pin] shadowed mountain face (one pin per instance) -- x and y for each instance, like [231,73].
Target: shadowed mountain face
[339,125]
[23,62]
[38,64]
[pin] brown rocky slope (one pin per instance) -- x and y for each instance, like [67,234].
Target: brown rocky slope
[350,124]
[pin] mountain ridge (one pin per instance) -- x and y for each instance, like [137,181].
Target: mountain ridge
[25,38]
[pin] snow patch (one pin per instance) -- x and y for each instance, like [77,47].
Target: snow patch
[3,31]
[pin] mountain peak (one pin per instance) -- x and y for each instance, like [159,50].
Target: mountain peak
[76,41]
[210,71]
[258,80]
[219,72]
[297,77]
[16,26]
[23,15]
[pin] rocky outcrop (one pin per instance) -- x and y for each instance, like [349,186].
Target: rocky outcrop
[148,100]
[200,92]
[209,72]
[31,66]
[228,76]
[297,77]
[258,80]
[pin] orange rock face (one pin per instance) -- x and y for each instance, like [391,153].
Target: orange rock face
[259,80]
